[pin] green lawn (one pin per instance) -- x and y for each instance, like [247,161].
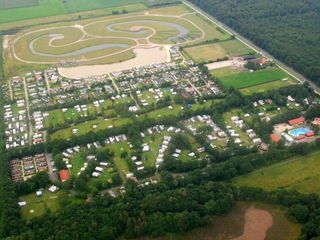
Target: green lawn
[86,127]
[247,79]
[302,174]
[77,162]
[55,118]
[120,163]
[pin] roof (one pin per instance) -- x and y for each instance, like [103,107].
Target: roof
[297,120]
[275,137]
[301,137]
[263,61]
[64,175]
[310,134]
[316,121]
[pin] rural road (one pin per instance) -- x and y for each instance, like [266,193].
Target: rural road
[250,44]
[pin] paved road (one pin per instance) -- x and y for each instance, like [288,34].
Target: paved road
[53,176]
[250,44]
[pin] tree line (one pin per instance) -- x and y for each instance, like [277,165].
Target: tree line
[289,30]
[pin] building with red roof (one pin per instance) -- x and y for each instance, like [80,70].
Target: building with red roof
[275,138]
[300,137]
[297,121]
[310,134]
[64,175]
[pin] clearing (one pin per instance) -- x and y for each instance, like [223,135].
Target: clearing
[246,221]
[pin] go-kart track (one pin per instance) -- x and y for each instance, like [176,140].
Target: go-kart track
[106,45]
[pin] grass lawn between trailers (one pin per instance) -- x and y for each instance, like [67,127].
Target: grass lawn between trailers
[37,206]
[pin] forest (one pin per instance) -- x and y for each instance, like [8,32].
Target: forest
[289,30]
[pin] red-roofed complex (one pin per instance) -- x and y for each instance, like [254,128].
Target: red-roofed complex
[275,138]
[64,175]
[297,121]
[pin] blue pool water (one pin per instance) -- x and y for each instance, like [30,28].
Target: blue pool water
[299,131]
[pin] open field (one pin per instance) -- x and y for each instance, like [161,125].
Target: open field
[214,51]
[226,71]
[246,79]
[302,174]
[264,87]
[72,16]
[235,48]
[15,10]
[86,127]
[43,9]
[244,221]
[205,53]
[82,5]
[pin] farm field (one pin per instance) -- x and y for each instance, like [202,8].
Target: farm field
[17,3]
[232,224]
[16,10]
[245,79]
[83,5]
[43,9]
[301,174]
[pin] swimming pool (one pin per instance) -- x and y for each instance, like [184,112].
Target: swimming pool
[299,131]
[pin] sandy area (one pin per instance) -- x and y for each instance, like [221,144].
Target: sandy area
[235,62]
[257,223]
[280,128]
[144,56]
[5,43]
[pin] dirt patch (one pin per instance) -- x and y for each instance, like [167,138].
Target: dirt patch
[5,42]
[234,62]
[257,223]
[145,55]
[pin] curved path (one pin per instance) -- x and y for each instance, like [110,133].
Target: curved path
[182,31]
